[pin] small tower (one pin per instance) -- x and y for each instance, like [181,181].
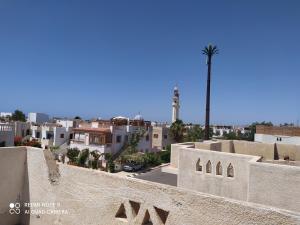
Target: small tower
[175,105]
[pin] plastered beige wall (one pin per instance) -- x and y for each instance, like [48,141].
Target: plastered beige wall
[292,151]
[12,179]
[275,185]
[232,187]
[254,148]
[94,197]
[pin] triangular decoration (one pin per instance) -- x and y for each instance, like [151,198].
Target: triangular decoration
[135,207]
[147,219]
[162,214]
[121,213]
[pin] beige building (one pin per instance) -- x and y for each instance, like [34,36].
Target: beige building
[267,174]
[161,137]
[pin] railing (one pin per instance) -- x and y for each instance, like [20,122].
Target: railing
[77,141]
[6,127]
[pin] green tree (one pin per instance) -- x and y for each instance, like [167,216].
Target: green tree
[110,165]
[83,157]
[194,134]
[18,115]
[77,118]
[209,51]
[231,136]
[177,131]
[72,154]
[96,155]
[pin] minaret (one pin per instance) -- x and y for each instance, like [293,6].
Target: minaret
[175,105]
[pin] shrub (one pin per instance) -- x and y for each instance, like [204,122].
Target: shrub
[72,154]
[165,156]
[152,159]
[83,156]
[18,141]
[111,166]
[33,143]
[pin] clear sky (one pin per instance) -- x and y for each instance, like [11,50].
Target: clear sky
[109,58]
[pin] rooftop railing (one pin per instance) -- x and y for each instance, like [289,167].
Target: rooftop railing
[6,127]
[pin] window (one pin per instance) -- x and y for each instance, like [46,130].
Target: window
[165,136]
[62,135]
[49,135]
[147,137]
[119,139]
[155,135]
[198,165]
[219,169]
[230,171]
[208,167]
[27,132]
[38,134]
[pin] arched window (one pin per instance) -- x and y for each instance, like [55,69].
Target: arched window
[230,171]
[198,165]
[208,167]
[219,169]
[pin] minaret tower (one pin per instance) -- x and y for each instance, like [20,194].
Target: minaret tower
[175,105]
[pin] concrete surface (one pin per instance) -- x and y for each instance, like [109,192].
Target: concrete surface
[97,198]
[156,175]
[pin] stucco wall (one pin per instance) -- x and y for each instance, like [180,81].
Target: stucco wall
[13,175]
[174,161]
[254,148]
[232,187]
[291,151]
[209,145]
[275,185]
[94,197]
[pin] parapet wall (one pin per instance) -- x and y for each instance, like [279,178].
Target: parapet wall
[97,198]
[213,177]
[13,183]
[248,179]
[264,150]
[275,185]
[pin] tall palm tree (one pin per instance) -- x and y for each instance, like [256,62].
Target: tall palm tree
[209,51]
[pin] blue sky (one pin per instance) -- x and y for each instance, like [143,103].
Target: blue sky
[108,58]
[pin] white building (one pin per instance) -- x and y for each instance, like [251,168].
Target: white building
[38,118]
[65,122]
[175,105]
[221,130]
[51,135]
[21,129]
[272,134]
[5,114]
[110,136]
[6,135]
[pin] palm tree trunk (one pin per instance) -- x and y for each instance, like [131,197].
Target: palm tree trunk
[206,135]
